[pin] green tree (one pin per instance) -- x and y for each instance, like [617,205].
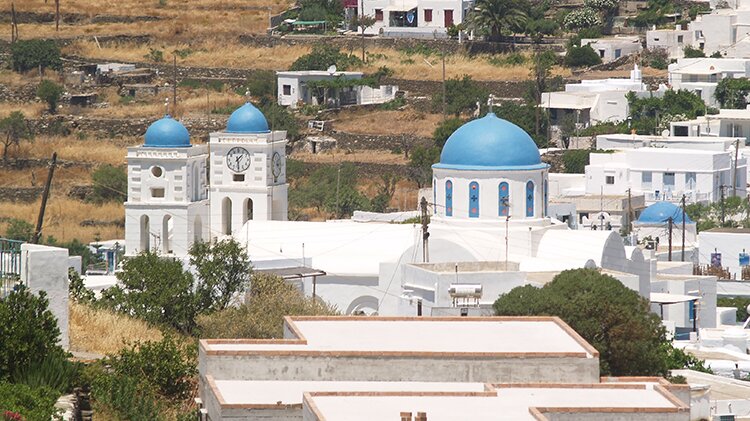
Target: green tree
[50,92]
[732,93]
[420,164]
[691,52]
[740,303]
[493,17]
[363,22]
[462,95]
[261,316]
[154,288]
[16,128]
[614,319]
[110,184]
[28,331]
[280,118]
[20,230]
[386,189]
[34,54]
[77,290]
[581,56]
[647,115]
[223,271]
[324,56]
[445,129]
[30,403]
[332,188]
[540,83]
[575,160]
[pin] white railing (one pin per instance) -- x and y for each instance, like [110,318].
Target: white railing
[676,196]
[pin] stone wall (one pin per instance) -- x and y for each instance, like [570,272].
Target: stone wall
[199,127]
[352,141]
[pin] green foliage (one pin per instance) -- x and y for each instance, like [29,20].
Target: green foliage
[644,111]
[20,230]
[445,129]
[33,404]
[605,128]
[740,303]
[280,118]
[153,288]
[167,365]
[15,128]
[462,94]
[679,359]
[386,189]
[183,53]
[691,52]
[320,189]
[322,57]
[716,54]
[732,93]
[600,4]
[582,18]
[524,116]
[49,92]
[214,85]
[575,160]
[581,56]
[420,164]
[494,17]
[393,104]
[131,398]
[614,319]
[512,59]
[327,10]
[261,317]
[654,14]
[34,53]
[420,49]
[53,372]
[736,214]
[657,58]
[157,56]
[28,331]
[77,289]
[260,84]
[110,184]
[223,271]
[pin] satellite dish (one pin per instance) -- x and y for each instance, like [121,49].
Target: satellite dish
[665,133]
[332,70]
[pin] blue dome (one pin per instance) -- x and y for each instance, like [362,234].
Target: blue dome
[660,212]
[490,143]
[167,133]
[247,119]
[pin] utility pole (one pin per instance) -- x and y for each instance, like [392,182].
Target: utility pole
[601,209]
[630,213]
[683,229]
[444,93]
[13,24]
[670,238]
[174,84]
[57,15]
[425,233]
[45,195]
[736,154]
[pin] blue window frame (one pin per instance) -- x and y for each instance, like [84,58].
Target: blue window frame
[448,198]
[473,199]
[504,199]
[530,199]
[546,198]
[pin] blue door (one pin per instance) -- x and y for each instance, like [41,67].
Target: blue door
[530,199]
[448,198]
[504,199]
[473,199]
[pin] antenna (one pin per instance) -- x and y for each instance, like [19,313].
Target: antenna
[332,70]
[166,106]
[490,101]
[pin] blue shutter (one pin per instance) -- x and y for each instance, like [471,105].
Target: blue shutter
[530,199]
[473,199]
[504,199]
[448,198]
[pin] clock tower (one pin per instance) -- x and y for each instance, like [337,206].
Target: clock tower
[248,172]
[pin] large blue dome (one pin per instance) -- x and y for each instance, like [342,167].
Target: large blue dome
[167,133]
[247,119]
[660,212]
[490,143]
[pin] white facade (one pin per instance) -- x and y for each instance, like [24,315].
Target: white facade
[413,18]
[610,49]
[167,206]
[671,40]
[729,243]
[254,190]
[722,30]
[294,90]
[702,75]
[726,124]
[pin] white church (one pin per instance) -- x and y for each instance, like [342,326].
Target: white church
[488,233]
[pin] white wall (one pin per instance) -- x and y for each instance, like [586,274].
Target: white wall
[729,244]
[46,269]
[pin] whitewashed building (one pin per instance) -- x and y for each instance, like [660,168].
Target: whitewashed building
[414,18]
[726,124]
[673,41]
[610,49]
[727,248]
[701,75]
[723,30]
[298,88]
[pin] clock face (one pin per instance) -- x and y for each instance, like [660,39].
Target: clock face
[276,164]
[238,159]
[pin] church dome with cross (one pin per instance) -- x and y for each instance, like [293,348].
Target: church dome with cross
[490,169]
[167,133]
[247,119]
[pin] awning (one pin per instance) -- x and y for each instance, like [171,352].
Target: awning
[665,298]
[293,272]
[401,5]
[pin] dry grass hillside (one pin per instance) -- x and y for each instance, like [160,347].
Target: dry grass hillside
[99,331]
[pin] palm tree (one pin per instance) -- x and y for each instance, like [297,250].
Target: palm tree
[496,15]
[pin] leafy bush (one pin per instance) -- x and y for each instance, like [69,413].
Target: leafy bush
[131,398]
[393,104]
[575,160]
[28,331]
[280,118]
[320,189]
[20,230]
[157,56]
[52,372]
[260,83]
[50,92]
[77,290]
[166,365]
[324,56]
[585,17]
[732,93]
[740,303]
[270,299]
[582,56]
[420,164]
[462,95]
[600,4]
[110,184]
[445,129]
[691,52]
[31,54]
[33,404]
[223,271]
[14,128]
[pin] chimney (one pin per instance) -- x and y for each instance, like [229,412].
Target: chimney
[406,416]
[421,416]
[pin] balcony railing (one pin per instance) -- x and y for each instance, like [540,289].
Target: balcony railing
[10,265]
[676,196]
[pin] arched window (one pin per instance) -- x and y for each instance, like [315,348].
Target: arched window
[546,198]
[248,214]
[473,199]
[448,198]
[197,193]
[503,199]
[530,199]
[145,234]
[226,216]
[167,234]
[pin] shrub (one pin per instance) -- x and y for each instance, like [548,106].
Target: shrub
[110,184]
[14,128]
[575,160]
[223,271]
[582,56]
[50,92]
[691,52]
[157,56]
[324,56]
[77,289]
[740,303]
[32,404]
[445,129]
[52,372]
[260,83]
[462,95]
[131,398]
[20,230]
[585,17]
[32,54]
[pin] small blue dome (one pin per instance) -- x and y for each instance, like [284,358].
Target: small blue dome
[247,119]
[167,133]
[490,143]
[660,212]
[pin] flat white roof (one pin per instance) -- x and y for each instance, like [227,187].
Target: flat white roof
[317,73]
[434,336]
[507,403]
